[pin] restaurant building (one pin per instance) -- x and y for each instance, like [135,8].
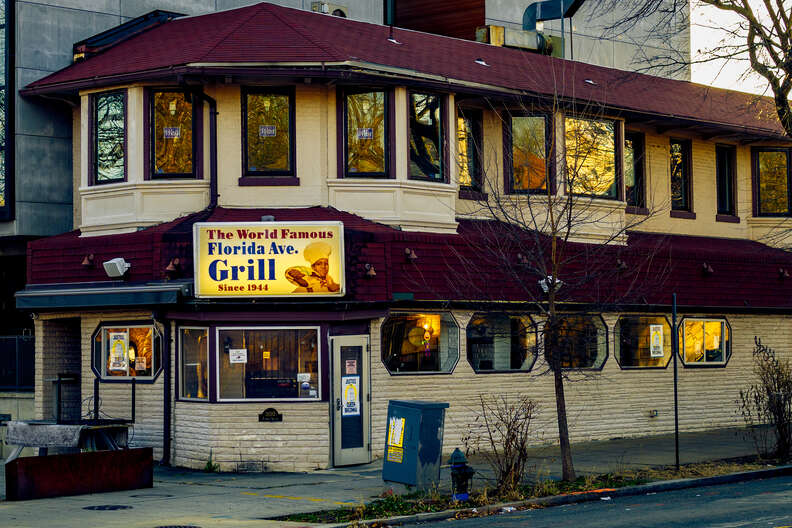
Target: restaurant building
[284,220]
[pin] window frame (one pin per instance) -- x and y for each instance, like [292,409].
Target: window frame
[508,153]
[605,340]
[93,129]
[158,340]
[640,207]
[722,215]
[319,366]
[269,177]
[534,326]
[475,191]
[180,365]
[618,155]
[444,134]
[757,198]
[617,344]
[341,132]
[687,165]
[197,136]
[681,342]
[421,373]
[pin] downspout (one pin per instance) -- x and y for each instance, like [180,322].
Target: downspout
[166,402]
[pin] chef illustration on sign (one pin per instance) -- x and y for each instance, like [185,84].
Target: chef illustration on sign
[317,277]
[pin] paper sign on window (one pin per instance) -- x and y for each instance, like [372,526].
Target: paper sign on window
[351,396]
[119,344]
[396,432]
[172,132]
[140,363]
[351,366]
[365,133]
[268,130]
[237,355]
[656,341]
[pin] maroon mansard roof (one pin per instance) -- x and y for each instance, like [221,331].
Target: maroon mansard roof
[265,37]
[704,272]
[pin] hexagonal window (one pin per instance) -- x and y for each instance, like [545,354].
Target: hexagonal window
[581,342]
[704,342]
[642,342]
[414,343]
[499,342]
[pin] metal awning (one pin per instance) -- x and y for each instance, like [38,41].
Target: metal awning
[81,295]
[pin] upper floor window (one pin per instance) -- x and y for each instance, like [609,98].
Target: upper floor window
[591,157]
[173,130]
[427,137]
[704,342]
[420,343]
[268,122]
[725,161]
[634,181]
[681,190]
[469,148]
[366,134]
[124,351]
[527,143]
[771,182]
[501,342]
[109,137]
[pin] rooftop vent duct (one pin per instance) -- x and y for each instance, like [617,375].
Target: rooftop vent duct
[549,10]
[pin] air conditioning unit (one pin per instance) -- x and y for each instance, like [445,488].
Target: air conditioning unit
[330,9]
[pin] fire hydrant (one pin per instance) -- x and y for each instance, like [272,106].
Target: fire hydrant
[461,474]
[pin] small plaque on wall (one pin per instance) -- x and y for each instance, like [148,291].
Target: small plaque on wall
[270,415]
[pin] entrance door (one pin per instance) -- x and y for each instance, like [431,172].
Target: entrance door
[351,413]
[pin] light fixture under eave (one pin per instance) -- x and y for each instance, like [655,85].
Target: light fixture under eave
[410,254]
[394,41]
[88,261]
[116,268]
[481,61]
[707,269]
[783,273]
[590,81]
[174,265]
[370,271]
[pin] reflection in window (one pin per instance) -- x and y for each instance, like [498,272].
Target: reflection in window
[772,171]
[680,175]
[528,153]
[268,364]
[173,134]
[420,343]
[581,342]
[426,137]
[366,131]
[469,139]
[127,351]
[591,157]
[634,152]
[501,342]
[194,372]
[109,131]
[268,133]
[725,159]
[705,341]
[643,342]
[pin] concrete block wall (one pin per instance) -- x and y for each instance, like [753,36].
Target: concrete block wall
[611,403]
[57,351]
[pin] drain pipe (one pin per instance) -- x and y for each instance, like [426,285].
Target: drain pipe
[166,392]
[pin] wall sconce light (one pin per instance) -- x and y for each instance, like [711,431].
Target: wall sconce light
[707,269]
[174,265]
[88,261]
[410,254]
[370,271]
[621,265]
[782,273]
[115,268]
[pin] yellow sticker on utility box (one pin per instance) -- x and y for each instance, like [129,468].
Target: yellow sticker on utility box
[396,432]
[395,455]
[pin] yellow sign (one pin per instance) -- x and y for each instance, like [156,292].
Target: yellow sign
[395,455]
[269,259]
[396,432]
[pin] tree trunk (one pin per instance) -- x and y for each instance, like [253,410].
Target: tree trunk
[567,469]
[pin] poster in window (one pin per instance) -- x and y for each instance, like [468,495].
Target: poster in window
[351,396]
[656,341]
[267,131]
[119,344]
[237,355]
[365,133]
[140,363]
[172,132]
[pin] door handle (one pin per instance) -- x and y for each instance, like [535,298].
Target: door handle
[338,404]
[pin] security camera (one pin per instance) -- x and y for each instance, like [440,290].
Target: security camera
[115,268]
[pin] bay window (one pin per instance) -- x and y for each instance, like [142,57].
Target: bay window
[366,132]
[268,131]
[109,137]
[173,147]
[526,147]
[634,180]
[427,137]
[591,157]
[469,148]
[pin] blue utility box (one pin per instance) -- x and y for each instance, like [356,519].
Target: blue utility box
[414,442]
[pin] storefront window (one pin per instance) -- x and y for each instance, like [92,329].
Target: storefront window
[194,363]
[581,342]
[172,135]
[413,343]
[272,363]
[109,123]
[366,134]
[269,128]
[705,342]
[426,137]
[125,351]
[642,342]
[501,343]
[591,157]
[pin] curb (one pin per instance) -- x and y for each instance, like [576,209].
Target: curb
[559,500]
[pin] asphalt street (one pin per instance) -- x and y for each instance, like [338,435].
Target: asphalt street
[758,503]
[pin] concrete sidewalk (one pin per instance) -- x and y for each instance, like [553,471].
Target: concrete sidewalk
[192,498]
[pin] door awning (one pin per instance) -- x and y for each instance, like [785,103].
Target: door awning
[82,295]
